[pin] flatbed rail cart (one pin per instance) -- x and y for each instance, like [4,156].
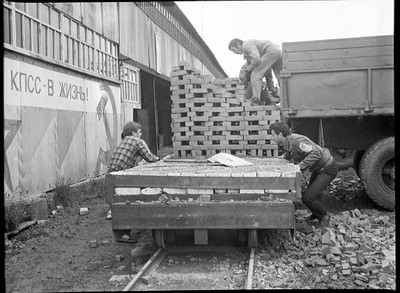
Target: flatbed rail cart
[195,194]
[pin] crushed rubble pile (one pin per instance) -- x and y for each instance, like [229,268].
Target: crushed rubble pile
[357,251]
[347,186]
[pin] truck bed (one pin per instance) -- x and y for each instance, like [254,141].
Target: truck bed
[338,77]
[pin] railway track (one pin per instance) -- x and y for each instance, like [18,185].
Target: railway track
[196,268]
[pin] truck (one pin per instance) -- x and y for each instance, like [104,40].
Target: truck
[340,94]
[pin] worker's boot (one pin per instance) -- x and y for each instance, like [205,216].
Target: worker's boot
[275,95]
[266,97]
[275,92]
[325,221]
[255,101]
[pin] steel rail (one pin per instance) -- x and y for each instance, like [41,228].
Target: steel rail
[161,253]
[142,270]
[249,281]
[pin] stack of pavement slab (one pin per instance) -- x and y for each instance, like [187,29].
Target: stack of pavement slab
[212,115]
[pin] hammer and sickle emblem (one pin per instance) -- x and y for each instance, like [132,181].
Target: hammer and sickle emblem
[104,155]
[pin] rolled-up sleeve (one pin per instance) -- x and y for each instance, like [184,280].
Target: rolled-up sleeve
[145,152]
[312,157]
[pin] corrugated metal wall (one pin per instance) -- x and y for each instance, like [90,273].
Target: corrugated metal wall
[135,35]
[48,133]
[58,124]
[137,41]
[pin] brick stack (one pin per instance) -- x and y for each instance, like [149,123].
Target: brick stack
[211,116]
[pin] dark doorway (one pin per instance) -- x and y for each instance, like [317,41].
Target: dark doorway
[155,115]
[163,106]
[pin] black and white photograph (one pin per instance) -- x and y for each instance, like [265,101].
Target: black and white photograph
[199,145]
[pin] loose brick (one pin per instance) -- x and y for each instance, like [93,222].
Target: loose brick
[360,257]
[127,190]
[353,261]
[335,250]
[120,278]
[345,266]
[361,278]
[328,238]
[356,212]
[369,267]
[386,267]
[175,190]
[151,191]
[145,279]
[321,262]
[358,282]
[253,191]
[325,250]
[119,257]
[200,191]
[346,272]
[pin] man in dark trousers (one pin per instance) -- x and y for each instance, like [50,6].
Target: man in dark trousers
[308,156]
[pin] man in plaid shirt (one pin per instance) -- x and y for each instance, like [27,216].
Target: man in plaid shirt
[131,148]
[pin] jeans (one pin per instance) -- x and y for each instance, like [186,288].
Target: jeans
[272,58]
[244,77]
[319,180]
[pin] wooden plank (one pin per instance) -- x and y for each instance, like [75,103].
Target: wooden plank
[338,43]
[227,215]
[200,237]
[109,185]
[213,197]
[344,53]
[360,62]
[339,112]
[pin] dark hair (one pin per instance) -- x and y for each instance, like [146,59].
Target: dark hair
[280,127]
[233,43]
[130,127]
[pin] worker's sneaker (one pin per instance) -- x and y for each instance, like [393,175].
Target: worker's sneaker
[255,101]
[325,221]
[108,215]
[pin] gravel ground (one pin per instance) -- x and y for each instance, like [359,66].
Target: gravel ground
[357,251]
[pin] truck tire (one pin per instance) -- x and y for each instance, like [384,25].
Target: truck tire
[343,158]
[357,161]
[377,173]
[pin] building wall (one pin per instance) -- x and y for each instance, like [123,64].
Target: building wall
[137,42]
[62,86]
[58,124]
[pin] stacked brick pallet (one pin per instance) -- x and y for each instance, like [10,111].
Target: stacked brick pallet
[211,116]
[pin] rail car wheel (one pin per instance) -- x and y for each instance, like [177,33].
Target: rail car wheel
[252,238]
[377,173]
[160,238]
